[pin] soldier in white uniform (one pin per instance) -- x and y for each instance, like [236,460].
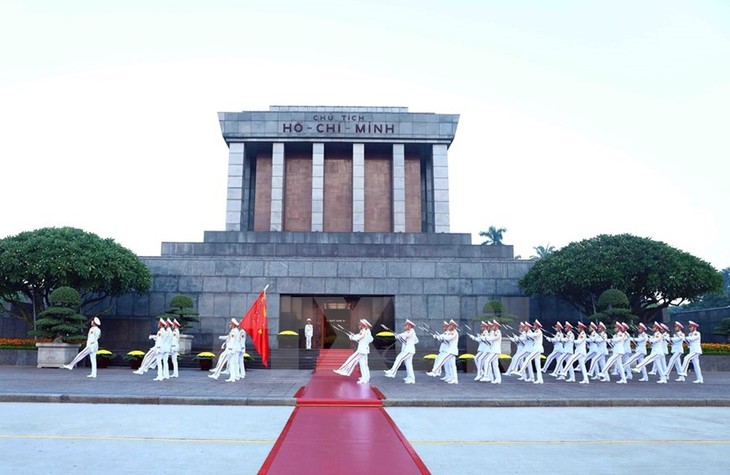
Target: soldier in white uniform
[408,341]
[491,362]
[567,353]
[92,346]
[150,358]
[616,359]
[447,357]
[360,355]
[162,350]
[526,351]
[657,352]
[482,349]
[639,353]
[557,341]
[535,335]
[578,356]
[229,357]
[677,352]
[175,347]
[694,340]
[599,362]
[241,351]
[308,333]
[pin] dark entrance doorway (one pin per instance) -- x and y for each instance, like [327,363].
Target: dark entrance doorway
[331,314]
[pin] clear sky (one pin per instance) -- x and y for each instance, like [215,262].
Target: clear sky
[577,118]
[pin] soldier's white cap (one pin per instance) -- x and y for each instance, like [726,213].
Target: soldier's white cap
[96,321]
[693,324]
[558,325]
[366,323]
[408,322]
[537,324]
[641,326]
[486,324]
[445,322]
[176,323]
[234,321]
[169,322]
[677,324]
[601,325]
[580,325]
[162,321]
[496,323]
[527,325]
[592,325]
[568,325]
[309,319]
[664,326]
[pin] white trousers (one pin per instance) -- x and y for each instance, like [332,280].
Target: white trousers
[407,359]
[90,351]
[693,358]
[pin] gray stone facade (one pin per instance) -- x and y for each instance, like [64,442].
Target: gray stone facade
[432,277]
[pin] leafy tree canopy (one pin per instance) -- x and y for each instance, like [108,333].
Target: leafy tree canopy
[182,308]
[652,274]
[711,300]
[34,263]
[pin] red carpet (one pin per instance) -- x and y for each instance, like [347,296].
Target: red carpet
[340,427]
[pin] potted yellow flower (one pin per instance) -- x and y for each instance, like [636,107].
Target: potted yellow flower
[135,358]
[103,357]
[205,360]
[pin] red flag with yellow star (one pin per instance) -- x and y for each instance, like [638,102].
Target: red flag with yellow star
[256,325]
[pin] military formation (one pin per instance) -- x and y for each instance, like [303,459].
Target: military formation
[578,348]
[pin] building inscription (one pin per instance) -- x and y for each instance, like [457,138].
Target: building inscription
[338,124]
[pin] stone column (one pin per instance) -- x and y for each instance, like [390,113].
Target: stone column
[234,215]
[317,187]
[440,188]
[399,188]
[277,187]
[358,187]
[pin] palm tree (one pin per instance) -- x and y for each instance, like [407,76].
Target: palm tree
[493,236]
[543,251]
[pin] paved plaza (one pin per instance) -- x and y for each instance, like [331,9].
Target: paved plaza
[278,387]
[58,421]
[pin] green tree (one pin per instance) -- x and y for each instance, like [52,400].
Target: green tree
[652,274]
[61,321]
[613,306]
[723,329]
[711,300]
[493,236]
[34,263]
[543,251]
[182,308]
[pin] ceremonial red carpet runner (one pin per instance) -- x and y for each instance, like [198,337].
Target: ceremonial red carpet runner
[340,427]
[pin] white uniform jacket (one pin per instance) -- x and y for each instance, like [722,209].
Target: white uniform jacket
[363,339]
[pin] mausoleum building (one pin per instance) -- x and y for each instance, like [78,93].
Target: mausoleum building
[344,213]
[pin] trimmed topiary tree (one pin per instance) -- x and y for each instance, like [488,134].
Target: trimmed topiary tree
[613,305]
[61,321]
[182,308]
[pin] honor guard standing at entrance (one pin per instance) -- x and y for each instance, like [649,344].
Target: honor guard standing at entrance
[360,357]
[408,341]
[92,346]
[308,333]
[694,340]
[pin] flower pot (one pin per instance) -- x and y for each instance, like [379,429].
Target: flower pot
[135,363]
[102,362]
[55,355]
[205,364]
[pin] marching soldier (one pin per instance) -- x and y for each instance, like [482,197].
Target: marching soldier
[447,357]
[639,353]
[491,371]
[535,335]
[360,356]
[657,352]
[557,341]
[175,347]
[229,356]
[408,341]
[616,359]
[482,349]
[308,333]
[694,340]
[599,362]
[92,346]
[677,352]
[568,347]
[578,356]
